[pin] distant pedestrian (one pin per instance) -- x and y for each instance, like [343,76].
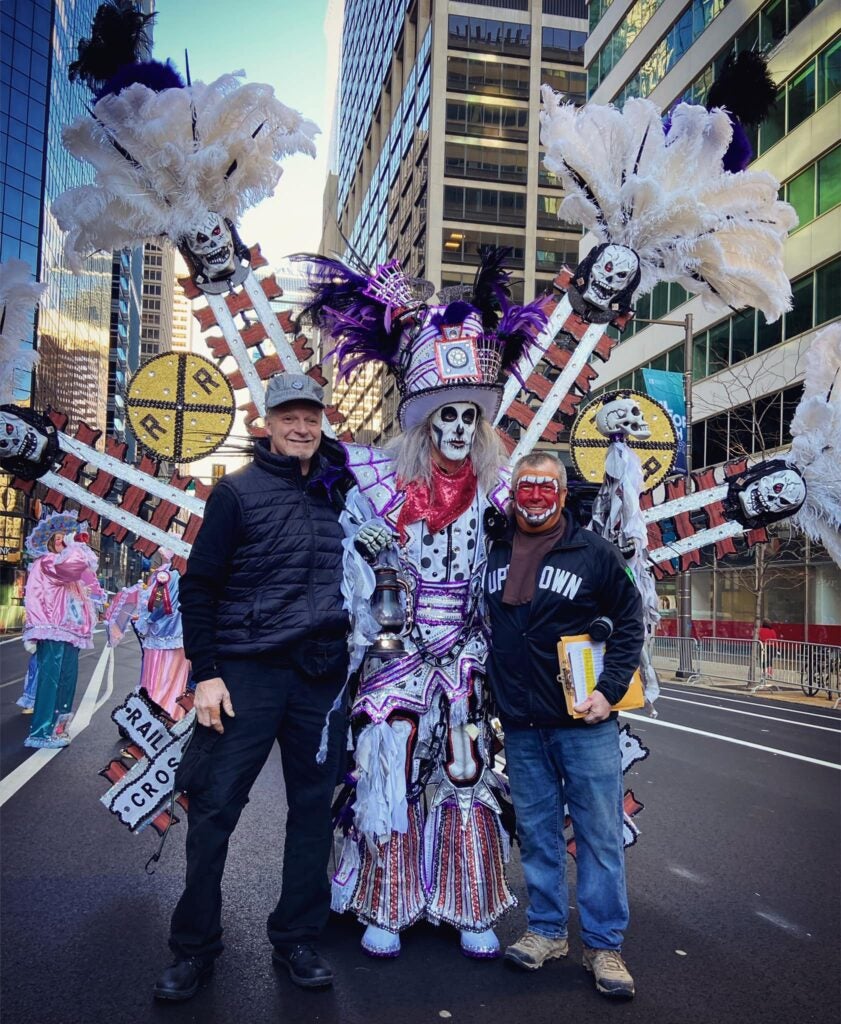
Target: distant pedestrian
[768,637]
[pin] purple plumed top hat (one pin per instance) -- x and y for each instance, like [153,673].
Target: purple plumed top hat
[452,351]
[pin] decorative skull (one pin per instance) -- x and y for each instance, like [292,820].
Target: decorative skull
[622,416]
[766,493]
[612,274]
[216,253]
[452,428]
[19,439]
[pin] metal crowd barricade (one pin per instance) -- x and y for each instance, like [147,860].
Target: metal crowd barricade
[738,661]
[812,668]
[676,654]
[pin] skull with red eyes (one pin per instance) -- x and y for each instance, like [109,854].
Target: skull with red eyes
[216,253]
[766,493]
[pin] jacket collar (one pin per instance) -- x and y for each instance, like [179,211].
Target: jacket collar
[327,465]
[572,536]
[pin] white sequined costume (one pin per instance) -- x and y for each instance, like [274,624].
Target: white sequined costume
[413,853]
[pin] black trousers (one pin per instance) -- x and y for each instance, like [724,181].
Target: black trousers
[217,772]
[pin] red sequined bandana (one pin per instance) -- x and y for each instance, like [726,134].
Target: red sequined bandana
[449,497]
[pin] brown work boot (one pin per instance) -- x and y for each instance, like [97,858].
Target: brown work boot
[612,977]
[532,950]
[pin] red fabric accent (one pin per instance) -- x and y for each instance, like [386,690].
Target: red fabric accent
[162,587]
[449,497]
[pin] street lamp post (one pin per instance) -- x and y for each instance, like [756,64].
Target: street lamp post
[684,589]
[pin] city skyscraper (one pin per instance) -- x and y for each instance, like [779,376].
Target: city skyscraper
[38,40]
[468,77]
[672,52]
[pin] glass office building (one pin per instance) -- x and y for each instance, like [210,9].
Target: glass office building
[468,76]
[38,39]
[747,374]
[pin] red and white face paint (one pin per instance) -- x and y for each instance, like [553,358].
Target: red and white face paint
[537,501]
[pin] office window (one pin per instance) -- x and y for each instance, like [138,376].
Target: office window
[829,72]
[801,96]
[800,192]
[829,180]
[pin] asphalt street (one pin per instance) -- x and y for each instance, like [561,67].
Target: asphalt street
[734,887]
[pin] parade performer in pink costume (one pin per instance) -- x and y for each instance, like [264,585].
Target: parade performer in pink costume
[60,616]
[166,672]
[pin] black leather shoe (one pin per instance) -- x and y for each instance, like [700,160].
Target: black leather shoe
[182,979]
[306,968]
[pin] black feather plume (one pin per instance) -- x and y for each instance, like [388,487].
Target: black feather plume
[491,286]
[744,87]
[118,37]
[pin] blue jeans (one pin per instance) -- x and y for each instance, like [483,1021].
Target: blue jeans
[582,767]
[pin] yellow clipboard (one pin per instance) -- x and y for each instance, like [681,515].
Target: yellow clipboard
[580,659]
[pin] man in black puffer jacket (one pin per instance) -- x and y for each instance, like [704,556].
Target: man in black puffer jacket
[265,630]
[548,578]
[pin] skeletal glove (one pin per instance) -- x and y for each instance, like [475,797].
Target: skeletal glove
[372,539]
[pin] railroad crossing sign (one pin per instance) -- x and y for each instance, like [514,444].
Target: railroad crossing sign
[656,454]
[180,406]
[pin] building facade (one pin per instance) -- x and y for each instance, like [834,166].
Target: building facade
[468,76]
[38,39]
[746,374]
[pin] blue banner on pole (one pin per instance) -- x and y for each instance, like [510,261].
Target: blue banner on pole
[667,389]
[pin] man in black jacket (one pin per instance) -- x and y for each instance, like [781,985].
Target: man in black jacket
[548,578]
[265,630]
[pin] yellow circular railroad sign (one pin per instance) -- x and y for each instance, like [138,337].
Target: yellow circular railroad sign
[180,406]
[656,453]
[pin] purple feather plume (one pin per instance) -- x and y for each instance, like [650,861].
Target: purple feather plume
[518,330]
[361,326]
[151,73]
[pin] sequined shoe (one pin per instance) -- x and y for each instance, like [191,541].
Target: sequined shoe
[612,977]
[50,743]
[480,945]
[380,943]
[532,950]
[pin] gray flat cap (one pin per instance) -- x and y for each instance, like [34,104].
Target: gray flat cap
[293,387]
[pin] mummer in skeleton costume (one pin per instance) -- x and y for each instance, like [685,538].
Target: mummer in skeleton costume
[421,816]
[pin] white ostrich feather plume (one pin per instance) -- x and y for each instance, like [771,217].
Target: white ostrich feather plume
[816,442]
[667,197]
[154,179]
[19,296]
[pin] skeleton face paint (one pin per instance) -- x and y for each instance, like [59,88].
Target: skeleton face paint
[19,439]
[538,501]
[612,272]
[452,428]
[212,245]
[622,416]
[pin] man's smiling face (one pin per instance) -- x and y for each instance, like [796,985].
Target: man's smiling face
[295,429]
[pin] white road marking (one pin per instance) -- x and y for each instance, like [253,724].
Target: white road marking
[20,679]
[645,720]
[753,714]
[690,876]
[758,704]
[88,707]
[780,922]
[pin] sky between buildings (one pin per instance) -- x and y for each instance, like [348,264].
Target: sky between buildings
[283,43]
